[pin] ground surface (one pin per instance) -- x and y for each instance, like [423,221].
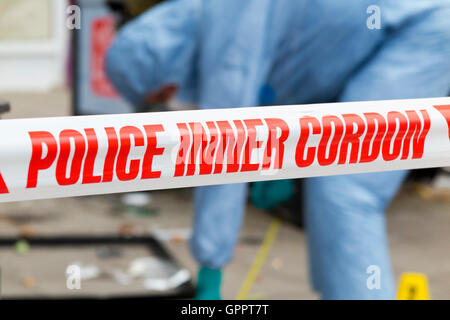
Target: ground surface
[419,230]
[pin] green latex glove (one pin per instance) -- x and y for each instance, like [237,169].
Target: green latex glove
[268,194]
[208,284]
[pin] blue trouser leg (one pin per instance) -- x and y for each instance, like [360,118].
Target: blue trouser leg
[218,217]
[347,233]
[345,214]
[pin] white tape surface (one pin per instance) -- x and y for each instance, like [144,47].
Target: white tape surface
[70,156]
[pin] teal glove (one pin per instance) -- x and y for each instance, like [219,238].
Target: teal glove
[268,194]
[208,284]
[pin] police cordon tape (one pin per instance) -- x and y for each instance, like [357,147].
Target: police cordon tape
[72,156]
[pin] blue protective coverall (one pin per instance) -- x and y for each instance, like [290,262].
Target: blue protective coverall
[220,53]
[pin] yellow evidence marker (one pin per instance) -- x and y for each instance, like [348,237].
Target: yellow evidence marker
[413,286]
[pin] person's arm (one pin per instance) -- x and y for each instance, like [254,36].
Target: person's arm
[153,55]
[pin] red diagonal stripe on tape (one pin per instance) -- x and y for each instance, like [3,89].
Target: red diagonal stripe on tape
[445,111]
[3,187]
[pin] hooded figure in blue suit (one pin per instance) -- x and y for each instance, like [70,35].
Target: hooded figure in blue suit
[234,53]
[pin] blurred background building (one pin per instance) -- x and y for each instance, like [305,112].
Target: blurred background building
[33,44]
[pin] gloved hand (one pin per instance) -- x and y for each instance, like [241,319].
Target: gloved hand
[208,284]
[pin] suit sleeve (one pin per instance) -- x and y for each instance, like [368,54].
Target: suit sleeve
[155,49]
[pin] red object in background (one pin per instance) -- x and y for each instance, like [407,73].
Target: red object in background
[102,35]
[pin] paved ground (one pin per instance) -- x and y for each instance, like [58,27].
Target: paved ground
[419,229]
